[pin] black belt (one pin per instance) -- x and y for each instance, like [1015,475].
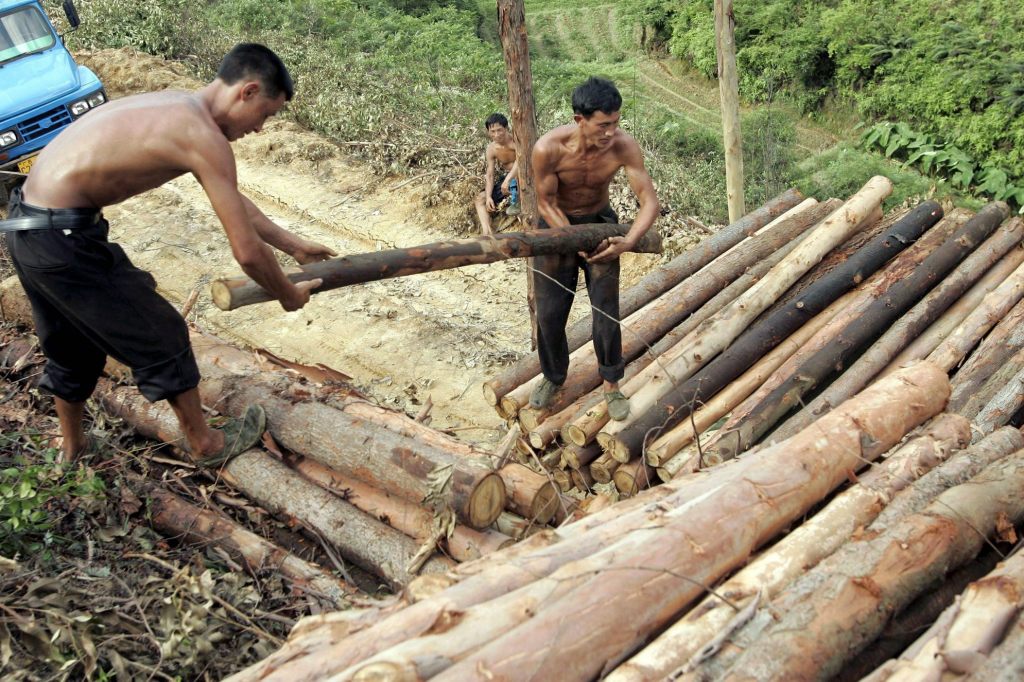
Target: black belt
[65,219]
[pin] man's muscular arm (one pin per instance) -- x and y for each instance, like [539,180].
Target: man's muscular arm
[489,175]
[643,187]
[546,182]
[213,164]
[302,250]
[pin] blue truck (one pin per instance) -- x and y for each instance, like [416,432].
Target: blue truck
[42,89]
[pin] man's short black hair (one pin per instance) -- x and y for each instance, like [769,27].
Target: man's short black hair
[596,94]
[496,118]
[252,60]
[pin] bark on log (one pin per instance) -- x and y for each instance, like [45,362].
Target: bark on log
[464,544]
[644,327]
[993,384]
[939,330]
[1004,341]
[766,334]
[1006,662]
[967,632]
[898,298]
[651,286]
[582,479]
[235,292]
[175,517]
[718,331]
[577,457]
[868,581]
[910,326]
[818,537]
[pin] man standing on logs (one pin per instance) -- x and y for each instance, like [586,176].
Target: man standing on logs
[500,150]
[574,166]
[88,300]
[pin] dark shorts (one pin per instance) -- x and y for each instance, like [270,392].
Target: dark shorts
[88,302]
[496,196]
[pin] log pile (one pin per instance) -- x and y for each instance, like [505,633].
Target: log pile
[818,451]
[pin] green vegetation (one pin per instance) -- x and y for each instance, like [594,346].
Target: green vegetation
[951,72]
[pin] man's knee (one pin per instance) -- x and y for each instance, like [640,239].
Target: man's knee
[73,384]
[168,378]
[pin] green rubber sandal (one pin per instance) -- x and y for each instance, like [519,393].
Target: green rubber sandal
[543,394]
[618,405]
[239,436]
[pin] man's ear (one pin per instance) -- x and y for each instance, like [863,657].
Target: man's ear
[250,90]
[578,118]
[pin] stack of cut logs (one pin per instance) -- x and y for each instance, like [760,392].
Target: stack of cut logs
[816,382]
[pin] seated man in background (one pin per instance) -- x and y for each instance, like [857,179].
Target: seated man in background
[502,151]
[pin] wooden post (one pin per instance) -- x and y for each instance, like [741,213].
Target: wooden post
[522,112]
[728,87]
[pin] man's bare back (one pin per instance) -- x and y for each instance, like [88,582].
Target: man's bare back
[126,148]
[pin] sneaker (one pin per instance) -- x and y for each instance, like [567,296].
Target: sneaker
[618,405]
[542,395]
[239,436]
[513,209]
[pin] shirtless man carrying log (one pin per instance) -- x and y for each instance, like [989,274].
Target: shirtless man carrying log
[574,166]
[501,151]
[88,300]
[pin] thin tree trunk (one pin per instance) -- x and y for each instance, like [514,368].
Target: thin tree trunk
[818,537]
[909,327]
[728,86]
[927,342]
[235,292]
[899,296]
[766,334]
[651,286]
[175,517]
[718,331]
[870,580]
[1004,341]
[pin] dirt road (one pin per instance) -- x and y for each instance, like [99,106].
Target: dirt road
[439,334]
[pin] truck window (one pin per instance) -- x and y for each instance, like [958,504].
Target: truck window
[22,31]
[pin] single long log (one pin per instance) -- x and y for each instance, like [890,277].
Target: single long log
[869,581]
[464,544]
[1004,403]
[818,537]
[898,297]
[767,333]
[939,330]
[1004,341]
[175,517]
[965,634]
[235,292]
[653,321]
[911,325]
[718,331]
[651,286]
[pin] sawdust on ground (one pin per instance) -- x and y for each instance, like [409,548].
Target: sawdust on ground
[437,335]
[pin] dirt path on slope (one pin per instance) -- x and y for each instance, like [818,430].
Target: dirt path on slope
[439,334]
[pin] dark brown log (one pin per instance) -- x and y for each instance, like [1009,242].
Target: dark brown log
[898,298]
[651,286]
[1004,341]
[232,293]
[911,325]
[649,324]
[767,333]
[177,518]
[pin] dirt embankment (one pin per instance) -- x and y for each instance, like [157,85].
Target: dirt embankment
[439,334]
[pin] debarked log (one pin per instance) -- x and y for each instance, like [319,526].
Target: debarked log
[235,292]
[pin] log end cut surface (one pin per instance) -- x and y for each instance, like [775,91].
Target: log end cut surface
[487,501]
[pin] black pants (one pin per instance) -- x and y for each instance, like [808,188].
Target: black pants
[88,302]
[555,287]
